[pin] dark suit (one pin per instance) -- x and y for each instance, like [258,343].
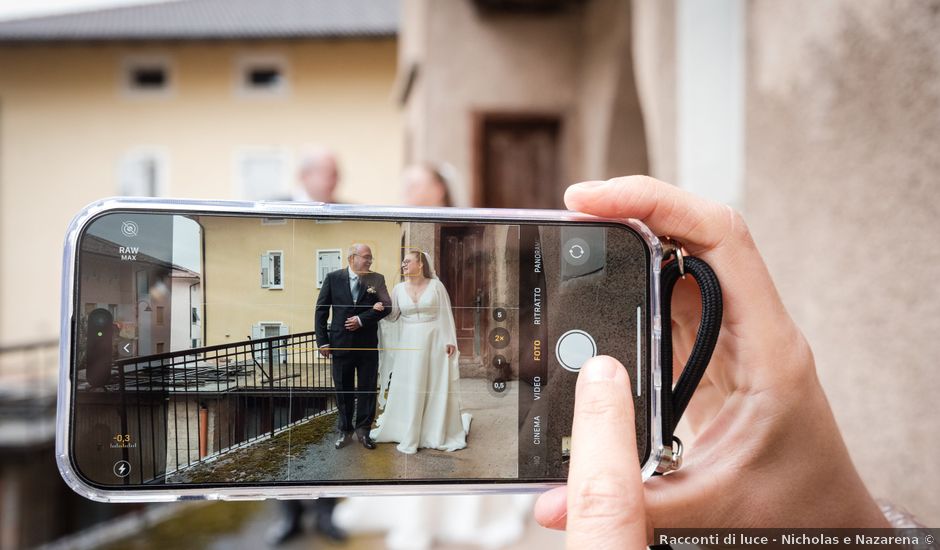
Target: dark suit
[355,353]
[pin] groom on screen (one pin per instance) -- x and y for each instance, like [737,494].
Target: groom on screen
[352,340]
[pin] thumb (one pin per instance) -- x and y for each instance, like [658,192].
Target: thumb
[605,489]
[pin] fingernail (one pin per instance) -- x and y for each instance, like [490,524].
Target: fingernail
[599,370]
[589,184]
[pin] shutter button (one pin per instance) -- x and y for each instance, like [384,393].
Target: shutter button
[574,348]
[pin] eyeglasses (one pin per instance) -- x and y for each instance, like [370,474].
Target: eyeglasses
[367,258]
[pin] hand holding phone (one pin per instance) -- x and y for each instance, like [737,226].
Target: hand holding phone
[762,429]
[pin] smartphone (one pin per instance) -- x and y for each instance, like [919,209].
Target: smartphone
[242,350]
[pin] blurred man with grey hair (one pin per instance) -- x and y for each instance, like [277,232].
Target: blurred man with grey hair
[317,177]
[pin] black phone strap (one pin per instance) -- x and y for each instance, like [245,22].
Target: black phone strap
[676,398]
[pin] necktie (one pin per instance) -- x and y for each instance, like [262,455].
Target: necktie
[355,289]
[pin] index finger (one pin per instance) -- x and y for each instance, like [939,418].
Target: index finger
[708,229]
[698,223]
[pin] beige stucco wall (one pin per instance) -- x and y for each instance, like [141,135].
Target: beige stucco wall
[573,63]
[843,133]
[842,100]
[65,124]
[234,297]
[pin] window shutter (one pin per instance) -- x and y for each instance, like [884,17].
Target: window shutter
[264,272]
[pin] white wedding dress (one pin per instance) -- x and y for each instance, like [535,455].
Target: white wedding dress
[422,409]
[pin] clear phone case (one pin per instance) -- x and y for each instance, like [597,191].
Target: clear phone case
[274,209]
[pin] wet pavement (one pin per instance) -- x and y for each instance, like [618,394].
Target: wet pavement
[491,450]
[306,452]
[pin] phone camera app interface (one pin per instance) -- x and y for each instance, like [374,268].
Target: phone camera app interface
[234,350]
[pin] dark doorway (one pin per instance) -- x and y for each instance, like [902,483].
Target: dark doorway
[464,266]
[517,161]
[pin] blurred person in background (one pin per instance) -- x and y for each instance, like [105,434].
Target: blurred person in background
[317,177]
[317,180]
[425,184]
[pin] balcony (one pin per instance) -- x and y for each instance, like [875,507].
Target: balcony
[188,407]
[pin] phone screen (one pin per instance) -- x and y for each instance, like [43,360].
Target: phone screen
[218,350]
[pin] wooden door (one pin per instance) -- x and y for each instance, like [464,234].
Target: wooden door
[464,263]
[517,162]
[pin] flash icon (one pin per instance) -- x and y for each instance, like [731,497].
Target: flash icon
[122,468]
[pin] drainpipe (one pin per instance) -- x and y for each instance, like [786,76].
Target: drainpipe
[203,431]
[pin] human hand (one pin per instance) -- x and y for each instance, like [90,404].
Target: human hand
[766,450]
[450,349]
[378,306]
[352,323]
[605,504]
[325,351]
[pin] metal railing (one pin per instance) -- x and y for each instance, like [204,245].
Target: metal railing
[277,363]
[194,405]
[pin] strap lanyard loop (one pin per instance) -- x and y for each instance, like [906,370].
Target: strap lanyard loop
[676,398]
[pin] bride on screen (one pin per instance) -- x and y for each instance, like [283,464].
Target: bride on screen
[418,365]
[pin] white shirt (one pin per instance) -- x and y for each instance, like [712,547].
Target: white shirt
[299,194]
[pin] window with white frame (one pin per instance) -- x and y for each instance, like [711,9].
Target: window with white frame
[147,75]
[143,172]
[327,261]
[262,173]
[261,75]
[272,270]
[269,329]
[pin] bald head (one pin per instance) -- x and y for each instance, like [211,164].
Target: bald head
[359,257]
[319,174]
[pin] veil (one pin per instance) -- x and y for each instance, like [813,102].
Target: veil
[429,263]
